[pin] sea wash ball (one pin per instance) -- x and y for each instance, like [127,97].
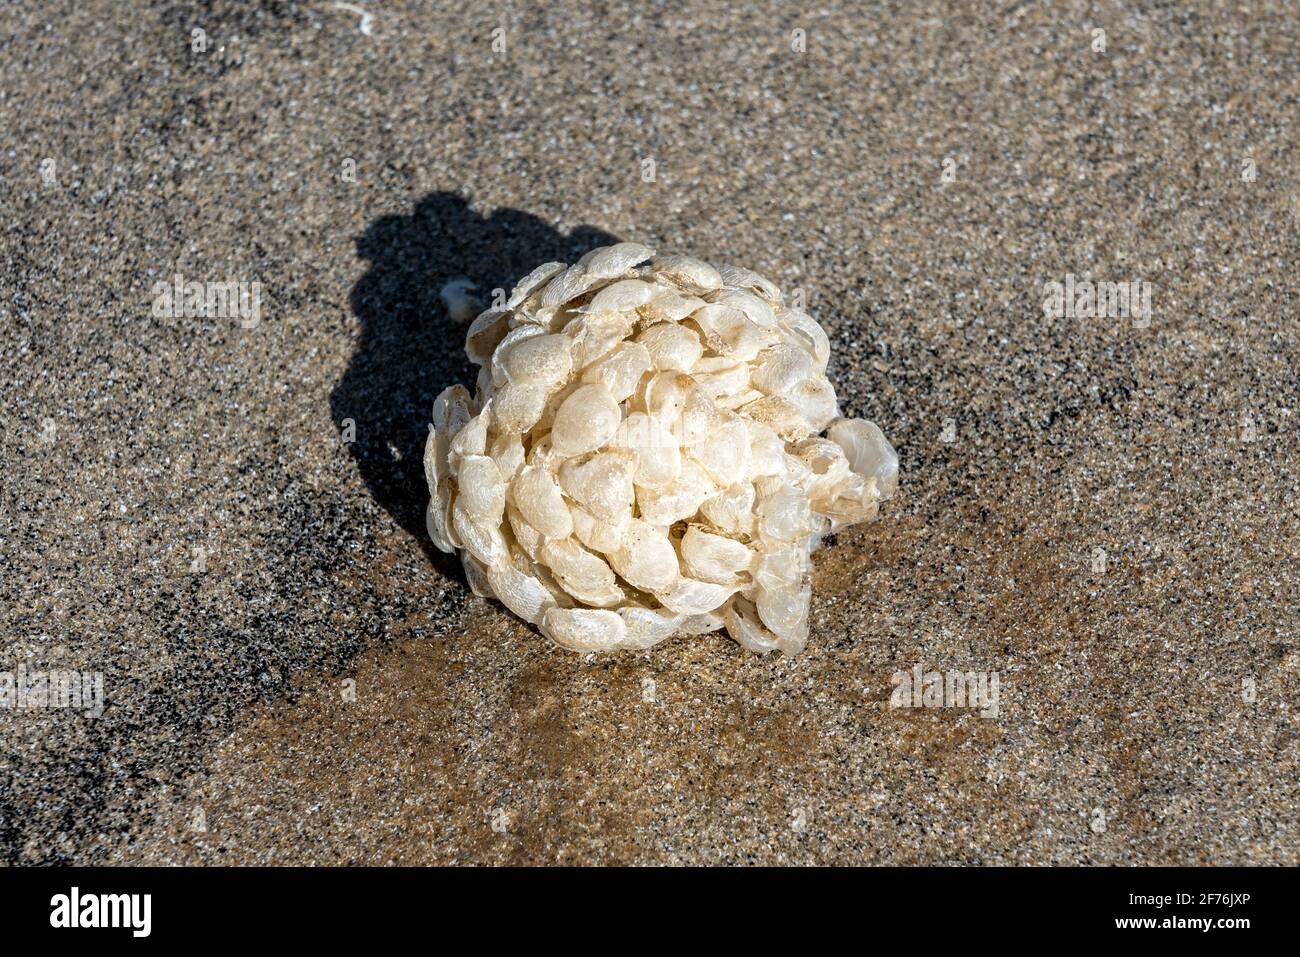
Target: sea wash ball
[652,448]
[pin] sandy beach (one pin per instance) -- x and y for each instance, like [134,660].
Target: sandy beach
[220,518]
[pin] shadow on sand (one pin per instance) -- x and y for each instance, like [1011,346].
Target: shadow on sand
[410,349]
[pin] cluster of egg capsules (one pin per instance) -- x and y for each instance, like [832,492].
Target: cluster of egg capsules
[643,455]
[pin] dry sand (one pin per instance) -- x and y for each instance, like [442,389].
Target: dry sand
[292,676]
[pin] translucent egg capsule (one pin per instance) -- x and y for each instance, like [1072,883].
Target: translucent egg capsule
[517,407]
[621,370]
[679,500]
[731,510]
[658,455]
[485,334]
[687,273]
[532,282]
[601,483]
[690,596]
[501,355]
[537,496]
[728,332]
[482,492]
[714,558]
[780,368]
[600,535]
[646,627]
[669,305]
[738,277]
[784,612]
[587,420]
[868,452]
[584,629]
[671,346]
[622,296]
[580,573]
[646,558]
[541,360]
[523,594]
[611,261]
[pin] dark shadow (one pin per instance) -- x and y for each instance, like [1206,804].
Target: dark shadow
[410,349]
